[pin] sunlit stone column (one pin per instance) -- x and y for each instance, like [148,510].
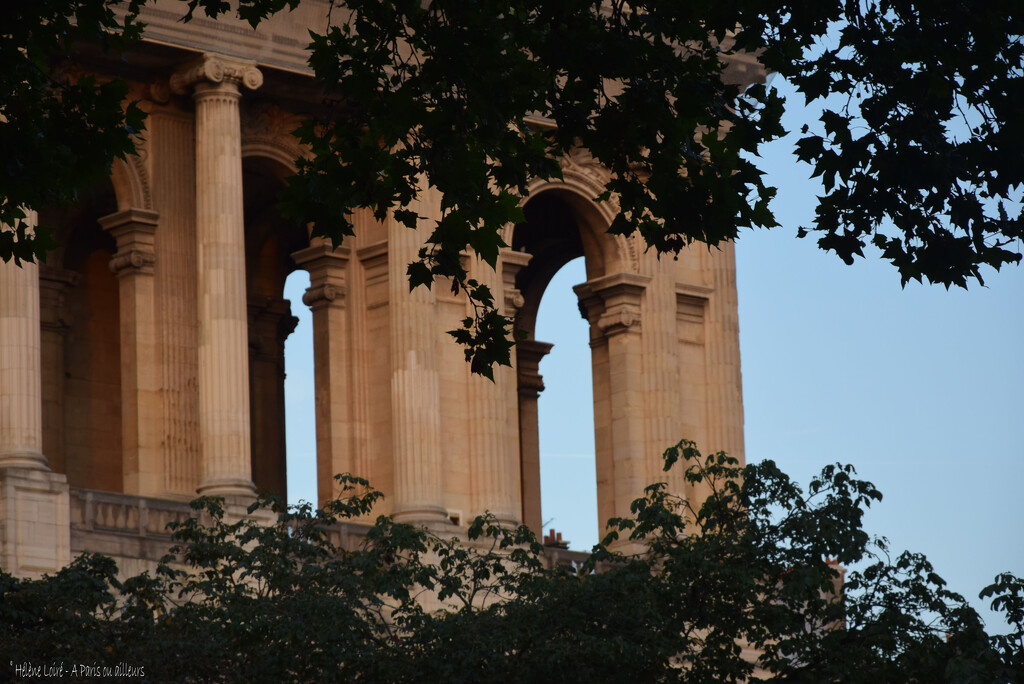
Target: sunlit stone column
[35,534]
[327,297]
[528,356]
[141,404]
[21,403]
[415,385]
[220,233]
[613,307]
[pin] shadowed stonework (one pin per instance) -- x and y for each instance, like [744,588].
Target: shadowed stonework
[144,363]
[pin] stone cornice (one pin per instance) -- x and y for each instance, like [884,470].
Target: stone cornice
[215,69]
[613,301]
[326,267]
[528,356]
[134,230]
[511,263]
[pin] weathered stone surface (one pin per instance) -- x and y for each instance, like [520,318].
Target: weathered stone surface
[195,361]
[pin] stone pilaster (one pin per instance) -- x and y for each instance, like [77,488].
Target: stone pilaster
[415,385]
[327,297]
[220,234]
[725,382]
[613,304]
[691,305]
[493,440]
[528,356]
[141,403]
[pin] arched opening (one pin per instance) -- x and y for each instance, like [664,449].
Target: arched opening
[270,240]
[565,412]
[559,229]
[81,347]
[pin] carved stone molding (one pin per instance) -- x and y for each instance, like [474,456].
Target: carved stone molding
[612,303]
[511,263]
[270,323]
[215,69]
[134,230]
[580,161]
[267,129]
[528,357]
[326,266]
[132,261]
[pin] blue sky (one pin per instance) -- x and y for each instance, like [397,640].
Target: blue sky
[920,388]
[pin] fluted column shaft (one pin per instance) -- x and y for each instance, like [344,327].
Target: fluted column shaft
[415,385]
[613,308]
[327,297]
[21,403]
[141,407]
[220,234]
[493,439]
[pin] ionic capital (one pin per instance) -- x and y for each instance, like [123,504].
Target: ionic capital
[215,69]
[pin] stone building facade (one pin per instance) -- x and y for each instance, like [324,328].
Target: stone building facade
[143,363]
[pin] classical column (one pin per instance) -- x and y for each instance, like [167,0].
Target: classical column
[528,356]
[327,298]
[415,385]
[21,403]
[141,404]
[35,533]
[220,234]
[613,308]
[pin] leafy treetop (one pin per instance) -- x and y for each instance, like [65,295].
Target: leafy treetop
[920,149]
[751,570]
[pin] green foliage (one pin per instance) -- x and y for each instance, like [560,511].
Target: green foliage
[920,148]
[752,565]
[59,133]
[921,152]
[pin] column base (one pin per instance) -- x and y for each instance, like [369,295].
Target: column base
[504,519]
[35,525]
[228,487]
[27,459]
[427,515]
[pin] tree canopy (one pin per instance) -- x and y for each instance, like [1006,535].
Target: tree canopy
[920,147]
[748,578]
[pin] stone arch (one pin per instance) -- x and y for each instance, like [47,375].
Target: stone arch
[81,344]
[267,133]
[131,182]
[583,179]
[563,222]
[274,149]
